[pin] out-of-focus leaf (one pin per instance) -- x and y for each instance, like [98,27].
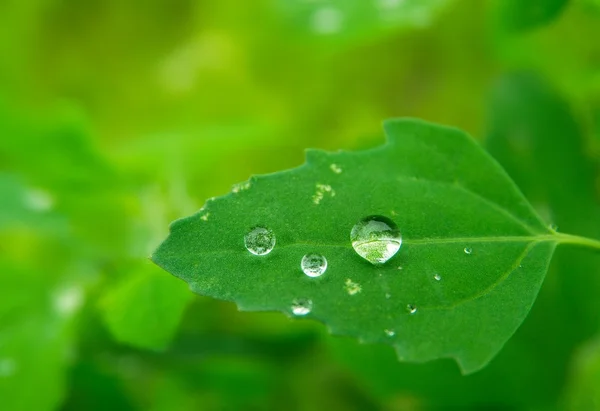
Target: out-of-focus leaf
[462,218]
[518,15]
[145,309]
[583,387]
[534,133]
[27,207]
[35,338]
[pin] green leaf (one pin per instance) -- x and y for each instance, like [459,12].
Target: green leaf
[145,309]
[446,195]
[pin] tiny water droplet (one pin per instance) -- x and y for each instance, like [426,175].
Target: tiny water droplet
[352,288]
[260,240]
[399,267]
[205,217]
[437,277]
[468,250]
[388,295]
[301,306]
[335,168]
[411,309]
[376,239]
[240,187]
[389,333]
[313,265]
[553,227]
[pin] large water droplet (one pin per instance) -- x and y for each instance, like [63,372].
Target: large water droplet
[313,265]
[376,239]
[260,240]
[301,306]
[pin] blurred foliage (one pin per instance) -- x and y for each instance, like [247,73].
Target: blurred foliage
[117,117]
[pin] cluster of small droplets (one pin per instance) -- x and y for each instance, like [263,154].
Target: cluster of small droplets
[321,191]
[335,168]
[352,288]
[375,238]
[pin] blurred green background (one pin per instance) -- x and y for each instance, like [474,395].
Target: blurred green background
[119,116]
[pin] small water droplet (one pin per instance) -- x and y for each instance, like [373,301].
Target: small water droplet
[411,309]
[389,333]
[260,241]
[327,20]
[8,366]
[352,288]
[553,227]
[205,216]
[313,265]
[437,277]
[376,239]
[335,168]
[400,267]
[301,306]
[468,250]
[240,187]
[388,296]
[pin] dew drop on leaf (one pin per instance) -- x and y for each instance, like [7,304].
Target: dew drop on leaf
[376,239]
[389,333]
[301,306]
[468,250]
[437,277]
[260,240]
[313,265]
[411,309]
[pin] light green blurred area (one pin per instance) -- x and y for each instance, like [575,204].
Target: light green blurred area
[119,116]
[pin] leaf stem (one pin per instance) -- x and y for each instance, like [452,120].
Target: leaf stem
[577,240]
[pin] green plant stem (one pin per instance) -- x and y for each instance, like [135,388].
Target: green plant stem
[577,240]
